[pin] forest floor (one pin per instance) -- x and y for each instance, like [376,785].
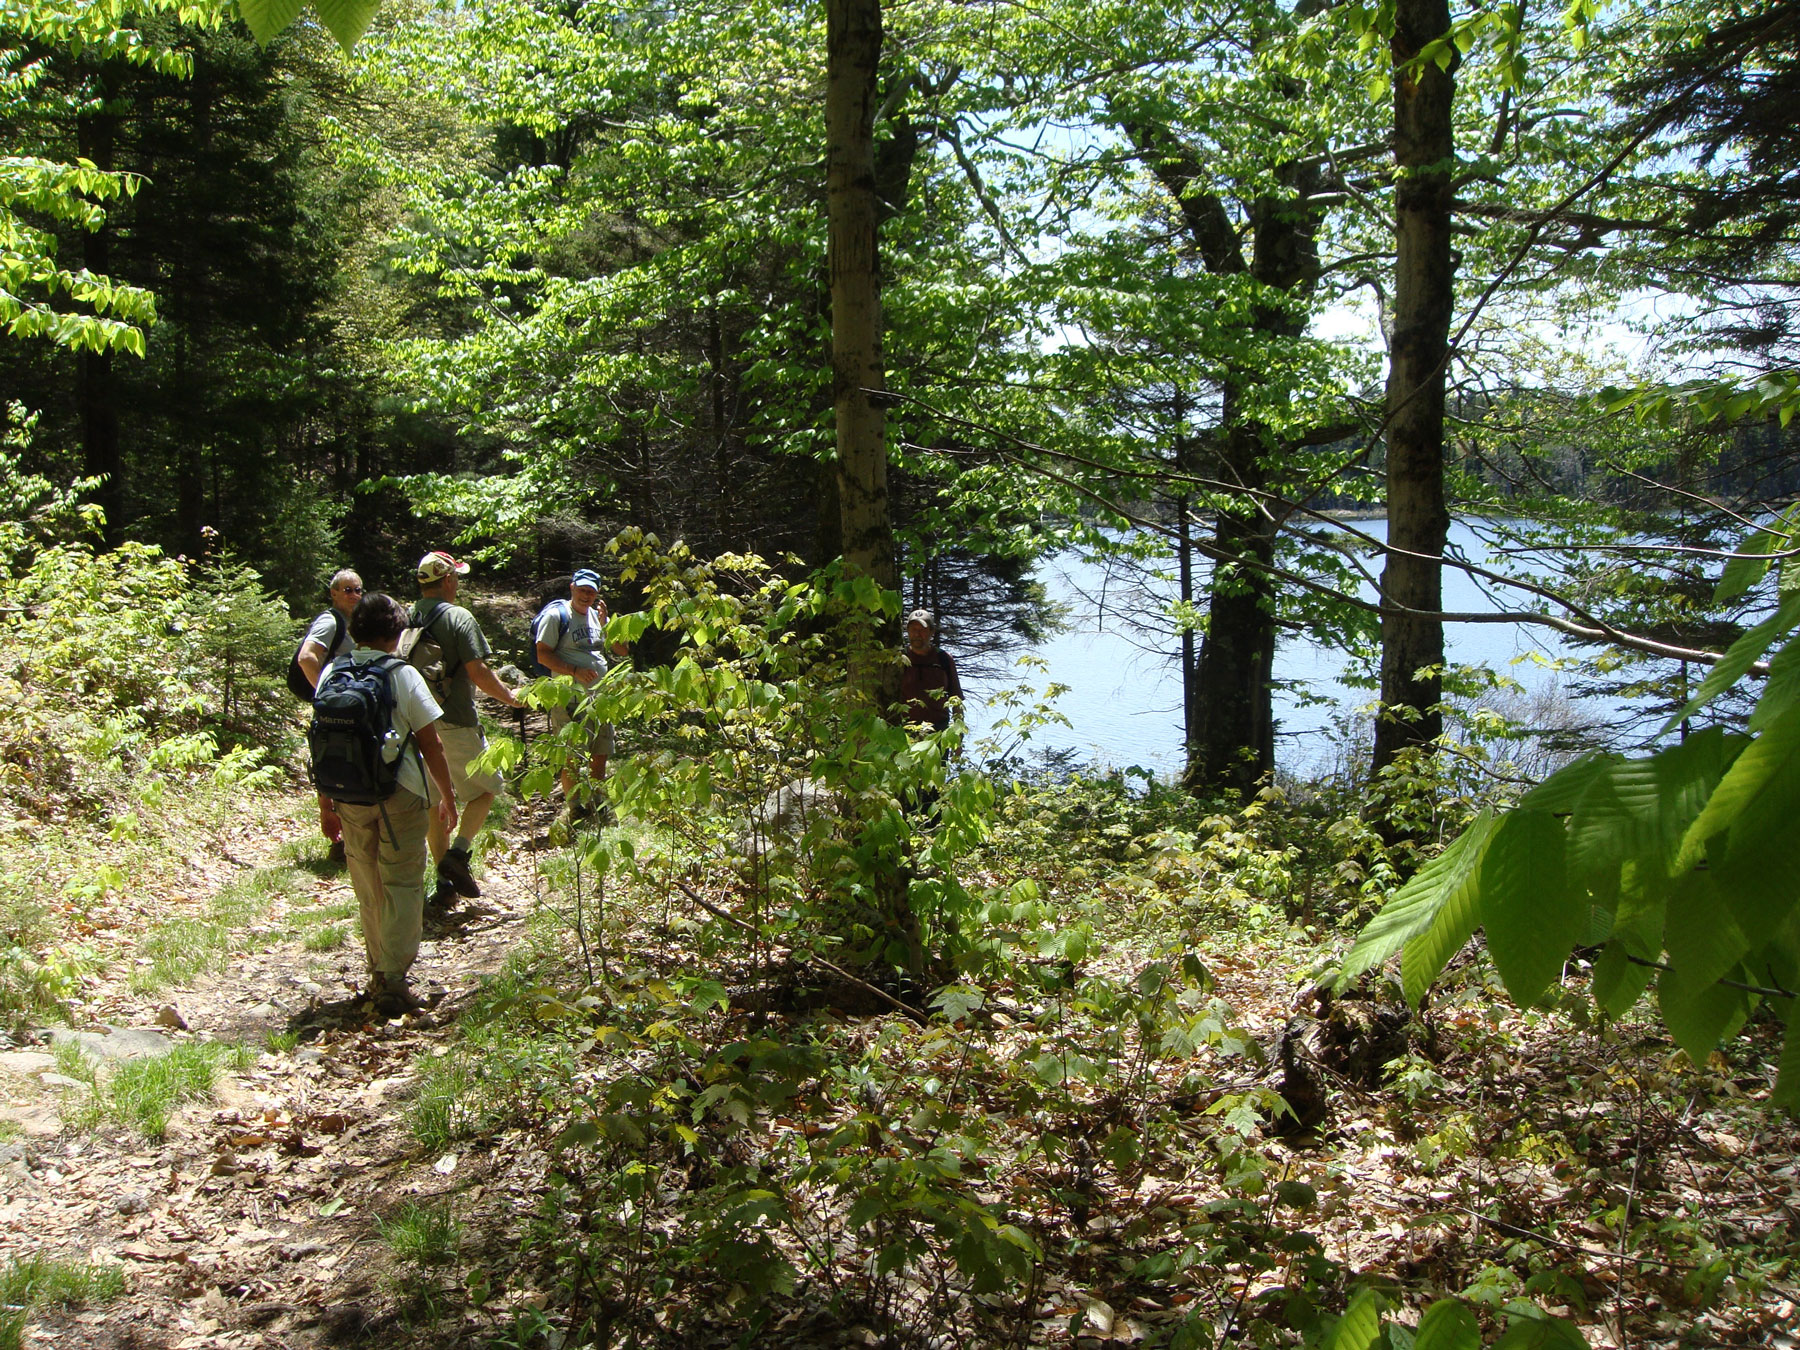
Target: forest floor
[1526,1156]
[251,1222]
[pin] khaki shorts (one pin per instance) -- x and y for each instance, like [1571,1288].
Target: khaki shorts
[462,744]
[599,743]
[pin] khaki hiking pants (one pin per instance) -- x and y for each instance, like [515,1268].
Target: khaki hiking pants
[388,875]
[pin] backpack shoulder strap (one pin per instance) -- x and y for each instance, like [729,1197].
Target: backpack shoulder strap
[562,618]
[385,665]
[424,627]
[328,669]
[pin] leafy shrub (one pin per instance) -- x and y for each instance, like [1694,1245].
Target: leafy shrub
[241,637]
[114,661]
[754,696]
[123,675]
[1676,865]
[35,983]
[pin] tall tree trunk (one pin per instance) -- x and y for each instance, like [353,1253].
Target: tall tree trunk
[853,60]
[1190,664]
[1231,734]
[853,56]
[1412,637]
[1231,741]
[719,496]
[1234,744]
[96,391]
[191,312]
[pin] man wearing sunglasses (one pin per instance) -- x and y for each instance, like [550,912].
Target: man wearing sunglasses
[328,639]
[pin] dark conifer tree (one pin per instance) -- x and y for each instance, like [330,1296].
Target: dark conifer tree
[225,425]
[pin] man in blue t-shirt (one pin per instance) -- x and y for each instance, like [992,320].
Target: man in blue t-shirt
[571,640]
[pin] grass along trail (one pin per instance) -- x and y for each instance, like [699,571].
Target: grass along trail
[241,1180]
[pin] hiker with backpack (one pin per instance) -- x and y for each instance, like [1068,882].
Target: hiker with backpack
[928,678]
[928,682]
[374,739]
[451,651]
[570,639]
[327,638]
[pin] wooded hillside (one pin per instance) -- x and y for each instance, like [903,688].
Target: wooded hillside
[786,321]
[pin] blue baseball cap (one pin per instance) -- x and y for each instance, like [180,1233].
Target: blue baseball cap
[586,577]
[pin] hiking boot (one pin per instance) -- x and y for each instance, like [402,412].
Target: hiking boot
[373,988]
[453,868]
[334,856]
[444,898]
[391,996]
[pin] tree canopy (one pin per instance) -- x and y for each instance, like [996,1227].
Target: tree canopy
[931,291]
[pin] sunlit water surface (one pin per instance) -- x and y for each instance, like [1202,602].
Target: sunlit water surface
[1124,702]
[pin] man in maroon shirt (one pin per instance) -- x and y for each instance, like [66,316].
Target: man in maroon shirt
[928,679]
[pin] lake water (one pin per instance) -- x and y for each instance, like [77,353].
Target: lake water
[1124,696]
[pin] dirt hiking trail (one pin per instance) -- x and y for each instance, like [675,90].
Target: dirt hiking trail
[253,1222]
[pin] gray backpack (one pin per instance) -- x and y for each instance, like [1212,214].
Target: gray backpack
[419,648]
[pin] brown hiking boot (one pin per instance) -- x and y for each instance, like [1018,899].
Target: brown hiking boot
[453,868]
[391,997]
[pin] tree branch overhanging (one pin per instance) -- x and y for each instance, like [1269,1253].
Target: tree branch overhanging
[1585,626]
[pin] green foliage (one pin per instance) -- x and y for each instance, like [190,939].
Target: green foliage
[645,259]
[182,947]
[422,1235]
[752,704]
[39,194]
[119,662]
[724,1136]
[326,937]
[500,1071]
[35,512]
[143,1094]
[36,981]
[347,20]
[242,637]
[1775,393]
[28,1283]
[1671,864]
[121,674]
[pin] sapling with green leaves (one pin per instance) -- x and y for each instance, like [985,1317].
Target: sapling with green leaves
[754,698]
[1677,866]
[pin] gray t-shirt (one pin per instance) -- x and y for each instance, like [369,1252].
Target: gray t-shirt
[321,632]
[583,642]
[463,641]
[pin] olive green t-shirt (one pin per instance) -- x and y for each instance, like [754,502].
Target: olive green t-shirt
[463,641]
